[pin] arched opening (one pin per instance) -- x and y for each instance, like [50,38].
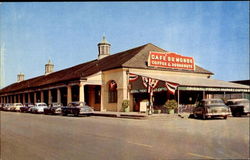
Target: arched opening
[112,92]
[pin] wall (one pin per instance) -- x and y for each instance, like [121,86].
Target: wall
[120,77]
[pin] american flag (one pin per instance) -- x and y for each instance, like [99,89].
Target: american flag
[150,83]
[171,87]
[112,85]
[133,77]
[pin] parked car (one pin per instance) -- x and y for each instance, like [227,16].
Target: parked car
[26,107]
[16,107]
[54,108]
[7,106]
[210,108]
[238,107]
[77,108]
[38,108]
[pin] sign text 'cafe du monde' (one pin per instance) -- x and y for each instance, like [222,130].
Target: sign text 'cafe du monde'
[170,60]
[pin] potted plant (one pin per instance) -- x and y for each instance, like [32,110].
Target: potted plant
[170,106]
[125,106]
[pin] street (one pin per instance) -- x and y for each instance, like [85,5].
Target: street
[27,136]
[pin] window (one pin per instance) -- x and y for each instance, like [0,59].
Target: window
[112,92]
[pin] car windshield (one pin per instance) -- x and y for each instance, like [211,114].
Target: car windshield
[75,104]
[42,105]
[215,102]
[237,102]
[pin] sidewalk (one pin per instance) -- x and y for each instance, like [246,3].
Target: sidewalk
[137,115]
[133,115]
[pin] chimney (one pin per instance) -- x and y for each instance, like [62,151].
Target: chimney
[103,48]
[49,68]
[20,77]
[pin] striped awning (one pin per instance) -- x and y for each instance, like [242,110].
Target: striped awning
[197,83]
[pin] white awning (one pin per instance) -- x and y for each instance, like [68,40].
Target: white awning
[194,82]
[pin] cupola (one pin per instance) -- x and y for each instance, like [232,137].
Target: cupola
[49,68]
[103,48]
[20,77]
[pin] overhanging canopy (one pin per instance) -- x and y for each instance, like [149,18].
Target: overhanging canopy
[198,83]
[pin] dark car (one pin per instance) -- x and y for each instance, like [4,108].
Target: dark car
[26,107]
[210,108]
[54,108]
[1,106]
[238,107]
[77,108]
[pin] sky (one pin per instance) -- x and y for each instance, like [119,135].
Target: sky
[216,34]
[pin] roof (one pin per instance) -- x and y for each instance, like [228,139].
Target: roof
[246,82]
[133,58]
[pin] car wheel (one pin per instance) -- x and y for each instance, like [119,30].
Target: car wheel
[204,116]
[225,117]
[195,115]
[64,114]
[237,114]
[76,114]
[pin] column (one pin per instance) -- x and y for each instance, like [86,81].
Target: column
[42,96]
[102,97]
[15,100]
[58,95]
[49,96]
[35,97]
[69,94]
[29,98]
[24,98]
[81,92]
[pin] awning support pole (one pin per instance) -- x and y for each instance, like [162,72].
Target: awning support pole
[150,102]
[178,101]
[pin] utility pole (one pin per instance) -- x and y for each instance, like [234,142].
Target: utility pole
[2,73]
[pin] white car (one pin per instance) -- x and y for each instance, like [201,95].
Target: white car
[7,106]
[16,107]
[38,108]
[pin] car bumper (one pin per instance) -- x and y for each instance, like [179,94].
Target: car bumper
[86,113]
[218,114]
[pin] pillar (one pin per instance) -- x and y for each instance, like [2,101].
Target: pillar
[58,95]
[102,97]
[29,98]
[49,97]
[204,95]
[81,92]
[42,96]
[35,99]
[24,98]
[14,98]
[69,94]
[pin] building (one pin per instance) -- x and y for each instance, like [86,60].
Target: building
[144,72]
